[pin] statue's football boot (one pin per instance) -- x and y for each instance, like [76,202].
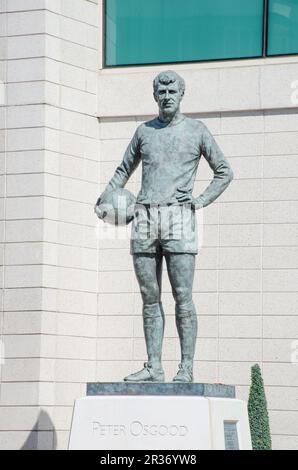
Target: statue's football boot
[184,374]
[147,374]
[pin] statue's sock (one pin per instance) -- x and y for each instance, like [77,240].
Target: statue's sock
[153,318]
[186,322]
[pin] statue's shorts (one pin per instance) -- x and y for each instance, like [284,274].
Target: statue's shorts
[170,228]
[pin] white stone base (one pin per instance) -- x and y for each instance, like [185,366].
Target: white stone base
[157,422]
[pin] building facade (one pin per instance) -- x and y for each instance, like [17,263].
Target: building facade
[71,308]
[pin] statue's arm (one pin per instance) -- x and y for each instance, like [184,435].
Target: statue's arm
[131,160]
[223,173]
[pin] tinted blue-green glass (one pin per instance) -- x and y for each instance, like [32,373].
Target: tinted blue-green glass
[157,31]
[282,27]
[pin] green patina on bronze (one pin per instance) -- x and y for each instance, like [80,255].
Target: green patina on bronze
[174,389]
[170,148]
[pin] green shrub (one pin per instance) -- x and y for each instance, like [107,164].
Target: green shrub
[257,412]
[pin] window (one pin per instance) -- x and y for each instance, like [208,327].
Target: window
[139,32]
[282,27]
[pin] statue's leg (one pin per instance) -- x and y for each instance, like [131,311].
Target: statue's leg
[148,269]
[181,268]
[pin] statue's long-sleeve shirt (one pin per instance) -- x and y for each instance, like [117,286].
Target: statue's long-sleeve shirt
[170,155]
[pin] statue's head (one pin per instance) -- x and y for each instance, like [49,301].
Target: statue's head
[168,91]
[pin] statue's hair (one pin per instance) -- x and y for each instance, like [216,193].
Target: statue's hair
[165,78]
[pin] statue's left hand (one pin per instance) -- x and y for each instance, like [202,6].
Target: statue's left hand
[184,196]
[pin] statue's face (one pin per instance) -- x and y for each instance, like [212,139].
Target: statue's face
[168,97]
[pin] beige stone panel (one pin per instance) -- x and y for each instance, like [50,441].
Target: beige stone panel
[27,369]
[115,349]
[277,141]
[23,230]
[31,161]
[280,234]
[69,278]
[117,303]
[70,347]
[283,166]
[117,128]
[236,373]
[241,213]
[284,422]
[280,327]
[278,350]
[115,327]
[23,276]
[240,258]
[24,207]
[240,235]
[278,212]
[280,257]
[246,167]
[19,47]
[24,419]
[26,116]
[239,88]
[77,100]
[66,393]
[75,370]
[280,442]
[117,282]
[280,189]
[284,280]
[19,393]
[276,398]
[27,93]
[242,123]
[25,22]
[233,280]
[240,326]
[240,303]
[22,323]
[275,85]
[115,260]
[69,234]
[241,145]
[280,374]
[26,70]
[280,303]
[70,301]
[281,120]
[243,190]
[69,324]
[23,299]
[55,417]
[244,349]
[113,150]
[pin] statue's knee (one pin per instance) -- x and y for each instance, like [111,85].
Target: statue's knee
[150,295]
[182,296]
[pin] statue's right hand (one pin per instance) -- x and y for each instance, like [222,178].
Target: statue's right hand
[96,209]
[99,212]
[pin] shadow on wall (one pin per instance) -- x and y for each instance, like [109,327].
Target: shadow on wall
[43,435]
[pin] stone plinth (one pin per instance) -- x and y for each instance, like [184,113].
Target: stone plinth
[179,416]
